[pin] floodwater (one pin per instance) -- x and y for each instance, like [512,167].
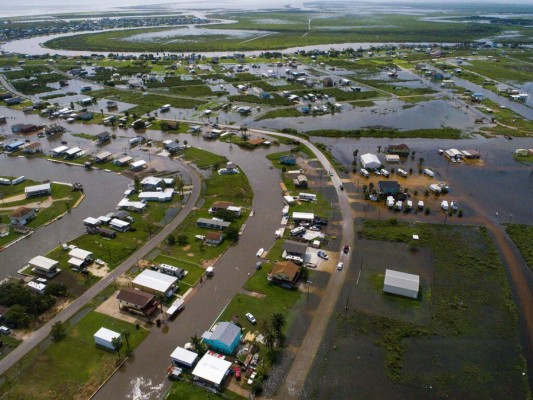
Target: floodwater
[34,46]
[102,190]
[389,113]
[187,34]
[496,184]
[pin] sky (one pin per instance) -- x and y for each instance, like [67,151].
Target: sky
[39,7]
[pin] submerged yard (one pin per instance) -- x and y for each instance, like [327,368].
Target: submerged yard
[459,339]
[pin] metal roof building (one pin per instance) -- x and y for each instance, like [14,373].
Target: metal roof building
[155,282]
[401,283]
[212,369]
[369,160]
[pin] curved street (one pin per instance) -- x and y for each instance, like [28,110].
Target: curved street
[37,336]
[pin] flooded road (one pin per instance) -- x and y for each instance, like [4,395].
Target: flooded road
[102,193]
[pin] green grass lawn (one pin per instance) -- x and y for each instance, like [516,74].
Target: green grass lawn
[522,235]
[73,367]
[194,272]
[202,158]
[182,390]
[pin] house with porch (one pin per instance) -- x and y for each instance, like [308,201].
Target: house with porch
[22,215]
[284,273]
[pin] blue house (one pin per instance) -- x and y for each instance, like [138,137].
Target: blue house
[224,338]
[13,146]
[288,160]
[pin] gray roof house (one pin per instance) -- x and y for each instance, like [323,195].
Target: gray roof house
[294,248]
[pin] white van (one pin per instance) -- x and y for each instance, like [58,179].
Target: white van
[364,172]
[298,231]
[444,205]
[429,172]
[435,188]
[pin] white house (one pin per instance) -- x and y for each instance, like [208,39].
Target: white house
[104,338]
[37,190]
[45,266]
[401,283]
[119,225]
[370,161]
[211,370]
[79,258]
[155,282]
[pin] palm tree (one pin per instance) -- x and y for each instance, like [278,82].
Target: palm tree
[379,149]
[421,161]
[277,321]
[198,345]
[355,152]
[126,335]
[117,345]
[269,338]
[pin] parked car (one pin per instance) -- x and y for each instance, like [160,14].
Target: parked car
[323,255]
[340,265]
[444,205]
[346,249]
[251,318]
[315,228]
[251,378]
[384,172]
[454,206]
[4,330]
[237,373]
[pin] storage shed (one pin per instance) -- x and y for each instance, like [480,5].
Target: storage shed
[370,161]
[401,283]
[104,338]
[183,358]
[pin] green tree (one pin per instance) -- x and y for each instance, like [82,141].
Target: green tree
[126,335]
[183,240]
[171,240]
[58,331]
[56,289]
[198,345]
[232,233]
[277,321]
[139,124]
[18,316]
[269,337]
[117,344]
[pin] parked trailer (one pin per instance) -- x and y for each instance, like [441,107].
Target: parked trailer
[18,180]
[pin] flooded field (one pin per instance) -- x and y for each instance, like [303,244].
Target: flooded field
[358,357]
[191,34]
[390,113]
